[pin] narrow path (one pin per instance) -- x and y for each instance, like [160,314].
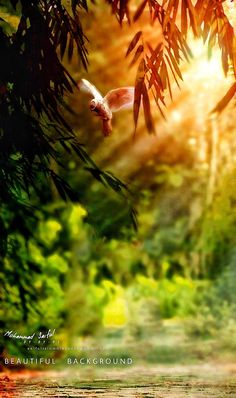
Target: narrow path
[195,381]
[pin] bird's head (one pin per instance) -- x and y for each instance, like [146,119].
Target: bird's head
[93,105]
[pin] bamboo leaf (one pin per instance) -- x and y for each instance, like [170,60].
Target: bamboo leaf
[175,13]
[70,48]
[134,217]
[163,75]
[138,90]
[147,110]
[172,70]
[139,11]
[225,100]
[168,14]
[133,42]
[63,41]
[137,54]
[175,65]
[59,187]
[184,18]
[193,18]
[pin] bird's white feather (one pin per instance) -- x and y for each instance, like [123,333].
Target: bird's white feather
[87,87]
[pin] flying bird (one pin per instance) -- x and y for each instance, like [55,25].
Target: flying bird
[103,107]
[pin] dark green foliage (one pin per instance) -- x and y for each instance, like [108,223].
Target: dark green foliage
[33,81]
[35,138]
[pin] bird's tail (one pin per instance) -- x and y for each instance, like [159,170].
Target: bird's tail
[107,127]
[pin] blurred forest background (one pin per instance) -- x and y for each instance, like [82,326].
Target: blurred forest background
[164,292]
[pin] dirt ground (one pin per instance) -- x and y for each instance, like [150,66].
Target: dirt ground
[209,380]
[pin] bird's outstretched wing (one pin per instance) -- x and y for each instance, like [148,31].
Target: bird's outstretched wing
[120,98]
[87,87]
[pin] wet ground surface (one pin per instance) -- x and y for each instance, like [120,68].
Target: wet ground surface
[177,382]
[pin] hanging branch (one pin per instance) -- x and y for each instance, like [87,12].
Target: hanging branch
[32,123]
[205,18]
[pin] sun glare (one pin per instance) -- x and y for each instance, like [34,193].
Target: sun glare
[205,69]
